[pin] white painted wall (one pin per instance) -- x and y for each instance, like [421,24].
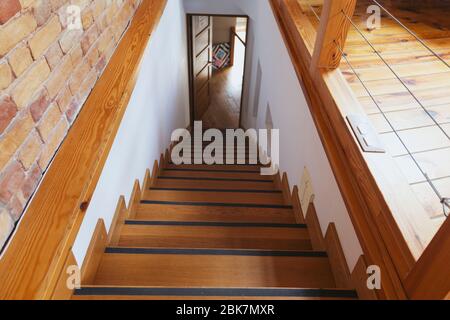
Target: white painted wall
[300,142]
[159,104]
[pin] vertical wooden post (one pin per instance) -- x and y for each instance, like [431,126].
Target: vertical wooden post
[430,277]
[333,30]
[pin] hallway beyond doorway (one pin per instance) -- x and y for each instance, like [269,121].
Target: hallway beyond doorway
[224,84]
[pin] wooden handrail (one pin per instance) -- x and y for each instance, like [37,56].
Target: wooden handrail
[35,258]
[332,33]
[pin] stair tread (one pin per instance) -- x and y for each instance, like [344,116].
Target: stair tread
[214,235]
[216,197]
[213,184]
[213,214]
[227,268]
[185,293]
[229,167]
[217,175]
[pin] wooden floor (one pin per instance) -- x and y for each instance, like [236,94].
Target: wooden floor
[422,73]
[226,92]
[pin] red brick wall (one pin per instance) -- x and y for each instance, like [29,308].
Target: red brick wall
[47,69]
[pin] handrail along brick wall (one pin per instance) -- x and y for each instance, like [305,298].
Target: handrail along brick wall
[37,253]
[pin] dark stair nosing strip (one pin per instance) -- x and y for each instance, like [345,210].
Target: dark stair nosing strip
[214,224]
[212,170]
[216,292]
[217,204]
[236,164]
[214,179]
[216,190]
[216,252]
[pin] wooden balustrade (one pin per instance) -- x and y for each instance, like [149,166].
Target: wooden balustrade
[381,205]
[332,33]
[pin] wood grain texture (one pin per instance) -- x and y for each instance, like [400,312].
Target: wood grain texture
[94,253]
[361,193]
[215,197]
[119,217]
[332,33]
[286,189]
[135,199]
[338,261]
[214,271]
[62,292]
[33,262]
[265,238]
[299,215]
[315,231]
[147,180]
[206,213]
[359,281]
[430,277]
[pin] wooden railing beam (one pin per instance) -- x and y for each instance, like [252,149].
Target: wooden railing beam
[332,33]
[430,277]
[37,254]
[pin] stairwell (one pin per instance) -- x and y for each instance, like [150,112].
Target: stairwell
[208,232]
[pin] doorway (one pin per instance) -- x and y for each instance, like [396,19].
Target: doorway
[217,55]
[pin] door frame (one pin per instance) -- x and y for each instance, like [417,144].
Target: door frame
[191,61]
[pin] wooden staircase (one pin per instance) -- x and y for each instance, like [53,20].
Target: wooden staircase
[210,232]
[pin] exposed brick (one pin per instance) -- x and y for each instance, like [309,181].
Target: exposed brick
[98,7]
[62,14]
[49,121]
[42,10]
[107,19]
[76,55]
[56,4]
[89,38]
[63,99]
[6,76]
[69,39]
[72,110]
[8,9]
[20,59]
[13,138]
[78,76]
[59,77]
[87,18]
[92,56]
[31,182]
[50,148]
[11,181]
[87,85]
[6,226]
[81,3]
[29,83]
[101,64]
[26,3]
[30,150]
[44,37]
[15,31]
[54,55]
[104,41]
[16,207]
[40,103]
[8,111]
